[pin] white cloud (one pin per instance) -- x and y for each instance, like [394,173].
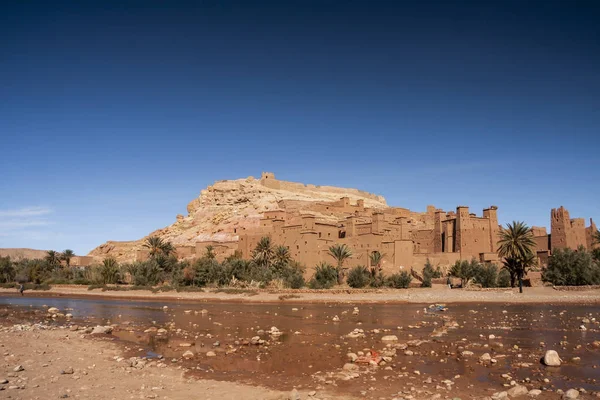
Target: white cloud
[25,212]
[17,221]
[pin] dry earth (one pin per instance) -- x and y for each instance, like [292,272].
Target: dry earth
[57,363]
[417,295]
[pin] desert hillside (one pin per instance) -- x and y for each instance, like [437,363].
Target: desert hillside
[228,206]
[19,254]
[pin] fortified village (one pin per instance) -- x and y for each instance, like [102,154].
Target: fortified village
[234,215]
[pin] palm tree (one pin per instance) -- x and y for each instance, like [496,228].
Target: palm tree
[263,252]
[52,258]
[282,255]
[210,252]
[376,259]
[341,253]
[67,255]
[516,246]
[109,270]
[159,246]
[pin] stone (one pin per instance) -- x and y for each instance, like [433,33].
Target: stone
[571,394]
[551,359]
[294,395]
[485,357]
[3,381]
[500,396]
[351,357]
[517,390]
[53,310]
[336,319]
[188,354]
[350,367]
[18,368]
[534,392]
[67,371]
[389,338]
[211,354]
[73,328]
[101,330]
[466,353]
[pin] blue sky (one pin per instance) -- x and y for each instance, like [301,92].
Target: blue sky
[114,115]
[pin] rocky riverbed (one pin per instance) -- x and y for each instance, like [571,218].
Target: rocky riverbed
[429,351]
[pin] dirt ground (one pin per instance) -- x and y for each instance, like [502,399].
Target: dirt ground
[417,295]
[58,364]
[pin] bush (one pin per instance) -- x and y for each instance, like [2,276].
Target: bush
[399,281]
[358,277]
[146,273]
[487,275]
[208,271]
[569,267]
[109,271]
[378,281]
[7,270]
[325,277]
[464,270]
[503,278]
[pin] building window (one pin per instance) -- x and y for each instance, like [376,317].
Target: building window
[319,234]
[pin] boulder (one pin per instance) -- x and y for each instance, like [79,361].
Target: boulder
[500,396]
[517,390]
[534,392]
[101,330]
[350,367]
[53,310]
[485,357]
[551,359]
[389,338]
[351,357]
[188,354]
[211,354]
[571,394]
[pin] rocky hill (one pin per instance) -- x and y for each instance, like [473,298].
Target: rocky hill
[20,254]
[228,206]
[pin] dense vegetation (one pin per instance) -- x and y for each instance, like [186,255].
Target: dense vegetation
[272,266]
[569,267]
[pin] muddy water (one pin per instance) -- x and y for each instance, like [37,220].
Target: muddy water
[312,348]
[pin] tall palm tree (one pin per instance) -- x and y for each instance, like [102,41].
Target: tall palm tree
[282,255]
[210,252]
[263,252]
[340,252]
[159,246]
[67,255]
[516,246]
[376,258]
[52,258]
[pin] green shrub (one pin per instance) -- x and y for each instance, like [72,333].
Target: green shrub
[426,282]
[325,277]
[569,267]
[378,281]
[146,273]
[399,281]
[109,271]
[7,270]
[358,277]
[464,270]
[486,275]
[503,278]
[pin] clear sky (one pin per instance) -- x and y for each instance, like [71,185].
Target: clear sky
[115,114]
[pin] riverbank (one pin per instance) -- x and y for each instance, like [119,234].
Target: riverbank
[45,362]
[437,294]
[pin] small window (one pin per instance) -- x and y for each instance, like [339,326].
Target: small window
[319,234]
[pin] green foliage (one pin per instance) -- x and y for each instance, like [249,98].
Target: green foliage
[340,252]
[503,278]
[66,255]
[569,267]
[325,276]
[110,271]
[263,252]
[210,252]
[465,270]
[429,273]
[378,281]
[486,275]
[358,277]
[376,258]
[208,271]
[7,270]
[516,246]
[158,246]
[399,281]
[147,273]
[596,254]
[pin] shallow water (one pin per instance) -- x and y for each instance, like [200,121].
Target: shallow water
[313,345]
